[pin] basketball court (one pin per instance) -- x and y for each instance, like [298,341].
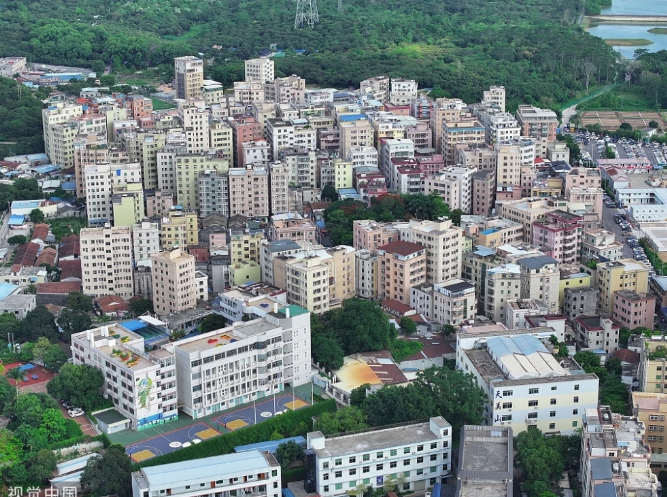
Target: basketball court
[170,441]
[259,411]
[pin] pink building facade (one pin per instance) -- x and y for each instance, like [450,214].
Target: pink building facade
[634,310]
[560,235]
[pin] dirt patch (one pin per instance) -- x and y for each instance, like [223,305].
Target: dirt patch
[613,119]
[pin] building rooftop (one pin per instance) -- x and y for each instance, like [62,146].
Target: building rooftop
[379,438]
[281,245]
[225,336]
[374,368]
[521,357]
[16,301]
[485,462]
[537,262]
[206,469]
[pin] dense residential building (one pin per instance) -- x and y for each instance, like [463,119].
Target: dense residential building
[493,232]
[536,121]
[259,70]
[188,77]
[615,459]
[290,226]
[213,193]
[245,244]
[483,192]
[271,249]
[262,356]
[650,408]
[559,235]
[526,211]
[402,91]
[142,386]
[501,284]
[652,377]
[600,245]
[100,181]
[179,229]
[401,266]
[449,303]
[145,241]
[106,261]
[335,463]
[540,280]
[58,134]
[596,333]
[369,235]
[624,274]
[127,204]
[495,95]
[580,301]
[354,134]
[525,384]
[175,287]
[366,274]
[443,243]
[454,185]
[634,310]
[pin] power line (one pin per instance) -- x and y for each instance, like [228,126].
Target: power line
[306,14]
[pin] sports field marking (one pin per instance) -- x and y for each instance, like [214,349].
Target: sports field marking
[142,455]
[295,404]
[236,424]
[207,433]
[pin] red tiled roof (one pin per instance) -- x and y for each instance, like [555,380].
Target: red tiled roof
[53,309]
[626,355]
[70,269]
[26,254]
[397,306]
[48,256]
[402,248]
[112,303]
[62,287]
[41,231]
[9,164]
[69,246]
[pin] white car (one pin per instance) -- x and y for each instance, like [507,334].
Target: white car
[75,413]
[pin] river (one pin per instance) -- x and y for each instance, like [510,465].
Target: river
[634,7]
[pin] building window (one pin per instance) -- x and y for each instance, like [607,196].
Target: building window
[366,469]
[508,393]
[406,462]
[379,455]
[552,414]
[353,460]
[393,464]
[379,467]
[339,486]
[576,400]
[507,405]
[434,445]
[392,452]
[406,450]
[434,457]
[338,474]
[574,424]
[532,403]
[325,476]
[326,488]
[552,402]
[552,426]
[575,412]
[532,415]
[367,457]
[353,472]
[533,391]
[338,462]
[576,387]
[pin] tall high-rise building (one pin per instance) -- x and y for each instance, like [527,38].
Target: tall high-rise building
[174,286]
[213,193]
[106,261]
[259,70]
[189,77]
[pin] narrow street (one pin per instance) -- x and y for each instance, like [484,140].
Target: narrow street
[609,224]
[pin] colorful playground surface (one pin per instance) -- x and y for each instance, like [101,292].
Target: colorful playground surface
[250,414]
[259,411]
[170,441]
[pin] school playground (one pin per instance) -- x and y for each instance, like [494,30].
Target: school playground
[166,440]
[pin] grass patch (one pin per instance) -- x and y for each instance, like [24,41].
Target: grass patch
[628,42]
[196,32]
[621,98]
[66,226]
[161,104]
[658,31]
[401,349]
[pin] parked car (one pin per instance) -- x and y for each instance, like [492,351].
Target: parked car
[76,412]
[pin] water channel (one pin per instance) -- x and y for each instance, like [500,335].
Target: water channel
[633,31]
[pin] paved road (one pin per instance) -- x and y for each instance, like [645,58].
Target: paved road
[3,230]
[570,111]
[609,224]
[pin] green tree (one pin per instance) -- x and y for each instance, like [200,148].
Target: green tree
[109,474]
[437,92]
[53,424]
[358,395]
[457,397]
[39,350]
[587,360]
[624,336]
[662,478]
[7,393]
[455,216]
[448,329]
[342,421]
[654,125]
[392,404]
[329,193]
[73,322]
[79,302]
[78,383]
[614,366]
[408,326]
[141,306]
[213,322]
[17,240]
[541,462]
[289,452]
[362,326]
[8,324]
[18,474]
[10,447]
[38,323]
[327,352]
[626,126]
[55,358]
[37,216]
[42,466]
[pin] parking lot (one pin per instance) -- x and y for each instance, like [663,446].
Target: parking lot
[593,146]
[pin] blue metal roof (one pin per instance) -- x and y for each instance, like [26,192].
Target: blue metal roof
[6,289]
[134,325]
[46,168]
[16,220]
[68,186]
[484,251]
[351,117]
[606,489]
[522,344]
[601,469]
[270,445]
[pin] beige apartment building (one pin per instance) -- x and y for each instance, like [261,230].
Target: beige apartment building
[483,192]
[401,265]
[187,170]
[106,261]
[354,134]
[653,365]
[651,408]
[221,139]
[625,274]
[291,226]
[366,274]
[189,77]
[482,157]
[445,109]
[443,243]
[249,191]
[245,245]
[495,95]
[502,283]
[88,149]
[508,171]
[195,122]
[143,148]
[100,181]
[536,121]
[540,280]
[526,211]
[259,70]
[58,139]
[369,235]
[179,229]
[467,132]
[174,286]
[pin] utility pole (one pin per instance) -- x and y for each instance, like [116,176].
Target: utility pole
[306,14]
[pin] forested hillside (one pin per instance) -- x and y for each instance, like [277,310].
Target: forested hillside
[533,47]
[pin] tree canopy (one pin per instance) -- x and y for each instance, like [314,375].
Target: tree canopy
[109,474]
[344,420]
[213,322]
[78,383]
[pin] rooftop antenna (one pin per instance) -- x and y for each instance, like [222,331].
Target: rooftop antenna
[306,14]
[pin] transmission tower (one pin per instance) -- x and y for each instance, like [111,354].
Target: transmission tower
[340,6]
[306,13]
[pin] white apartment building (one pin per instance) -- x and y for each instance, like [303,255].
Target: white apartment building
[253,473]
[100,180]
[302,167]
[259,70]
[271,249]
[106,261]
[145,241]
[244,362]
[458,181]
[141,385]
[402,91]
[239,303]
[417,455]
[213,193]
[256,152]
[495,95]
[600,243]
[194,119]
[503,283]
[359,133]
[525,384]
[188,77]
[363,156]
[390,148]
[501,127]
[443,243]
[451,302]
[174,284]
[249,191]
[377,86]
[58,136]
[540,280]
[366,274]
